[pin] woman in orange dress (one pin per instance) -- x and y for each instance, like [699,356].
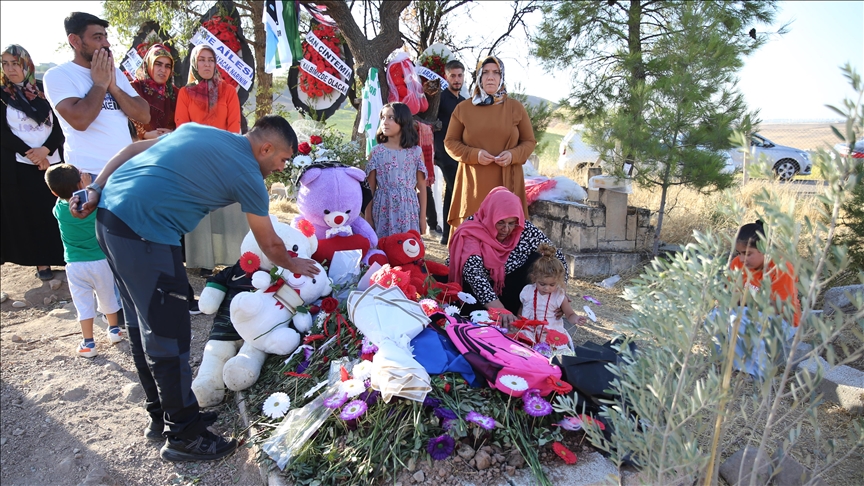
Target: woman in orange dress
[208,100]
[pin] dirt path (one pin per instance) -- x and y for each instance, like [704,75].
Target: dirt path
[72,420]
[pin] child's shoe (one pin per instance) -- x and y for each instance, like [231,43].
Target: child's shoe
[87,350]
[115,335]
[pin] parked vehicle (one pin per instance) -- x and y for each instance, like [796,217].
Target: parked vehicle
[857,149]
[573,152]
[786,162]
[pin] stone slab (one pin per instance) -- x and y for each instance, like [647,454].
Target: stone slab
[841,384]
[737,468]
[789,471]
[591,265]
[837,298]
[616,214]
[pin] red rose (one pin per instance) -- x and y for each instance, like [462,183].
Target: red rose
[304,148]
[329,305]
[315,140]
[446,387]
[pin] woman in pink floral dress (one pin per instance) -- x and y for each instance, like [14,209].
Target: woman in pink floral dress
[397,175]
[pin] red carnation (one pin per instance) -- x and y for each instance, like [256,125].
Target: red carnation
[304,148]
[329,305]
[250,262]
[564,453]
[315,140]
[306,227]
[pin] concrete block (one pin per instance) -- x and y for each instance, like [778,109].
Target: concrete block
[593,195]
[601,234]
[841,384]
[591,172]
[644,238]
[643,217]
[542,223]
[592,265]
[579,214]
[541,209]
[838,299]
[616,214]
[598,216]
[737,468]
[572,238]
[631,227]
[556,231]
[588,239]
[620,245]
[278,189]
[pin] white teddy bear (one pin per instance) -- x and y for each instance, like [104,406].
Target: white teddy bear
[222,365]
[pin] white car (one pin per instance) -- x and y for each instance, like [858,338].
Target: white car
[857,151]
[786,162]
[573,152]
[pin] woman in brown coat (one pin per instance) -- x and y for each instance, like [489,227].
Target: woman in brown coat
[491,137]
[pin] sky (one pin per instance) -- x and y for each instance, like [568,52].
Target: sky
[791,78]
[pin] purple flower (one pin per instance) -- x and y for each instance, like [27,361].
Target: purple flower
[302,366]
[537,407]
[336,401]
[369,396]
[352,410]
[483,421]
[440,447]
[530,393]
[431,402]
[448,424]
[307,352]
[444,413]
[368,348]
[543,349]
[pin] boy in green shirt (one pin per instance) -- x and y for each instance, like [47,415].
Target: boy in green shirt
[87,269]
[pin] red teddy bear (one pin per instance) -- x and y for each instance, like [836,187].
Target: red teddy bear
[406,250]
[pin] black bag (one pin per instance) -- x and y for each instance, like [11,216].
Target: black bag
[586,372]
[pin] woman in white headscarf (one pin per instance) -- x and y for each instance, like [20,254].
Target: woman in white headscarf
[31,141]
[490,136]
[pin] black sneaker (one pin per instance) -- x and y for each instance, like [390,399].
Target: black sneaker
[156,427]
[206,447]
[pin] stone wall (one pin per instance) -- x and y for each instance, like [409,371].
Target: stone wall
[600,238]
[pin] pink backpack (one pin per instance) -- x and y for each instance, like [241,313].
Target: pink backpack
[508,366]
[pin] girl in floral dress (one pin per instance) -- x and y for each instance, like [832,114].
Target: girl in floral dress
[397,175]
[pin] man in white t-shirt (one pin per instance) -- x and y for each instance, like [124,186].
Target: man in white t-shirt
[91,97]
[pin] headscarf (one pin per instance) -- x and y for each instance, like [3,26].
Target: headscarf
[144,74]
[162,98]
[478,236]
[479,96]
[203,92]
[26,97]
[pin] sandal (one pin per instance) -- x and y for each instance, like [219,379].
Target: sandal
[46,274]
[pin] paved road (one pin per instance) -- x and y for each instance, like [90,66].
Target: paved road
[802,186]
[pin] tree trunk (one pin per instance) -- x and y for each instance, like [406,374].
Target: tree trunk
[369,53]
[264,90]
[660,213]
[637,71]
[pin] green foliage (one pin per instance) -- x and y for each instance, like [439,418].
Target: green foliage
[339,148]
[852,216]
[679,397]
[178,19]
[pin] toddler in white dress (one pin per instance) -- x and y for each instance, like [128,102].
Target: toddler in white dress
[545,300]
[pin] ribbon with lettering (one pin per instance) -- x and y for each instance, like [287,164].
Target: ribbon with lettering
[430,74]
[228,60]
[326,78]
[329,56]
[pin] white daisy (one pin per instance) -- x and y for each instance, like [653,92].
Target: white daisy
[355,387]
[301,161]
[467,298]
[315,389]
[451,310]
[276,405]
[362,370]
[513,382]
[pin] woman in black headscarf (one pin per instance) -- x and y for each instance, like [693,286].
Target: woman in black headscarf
[31,141]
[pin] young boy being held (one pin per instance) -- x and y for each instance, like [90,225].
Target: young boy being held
[87,269]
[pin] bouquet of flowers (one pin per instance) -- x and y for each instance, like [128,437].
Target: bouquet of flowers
[323,144]
[435,62]
[310,84]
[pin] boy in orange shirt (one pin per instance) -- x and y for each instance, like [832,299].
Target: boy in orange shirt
[756,270]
